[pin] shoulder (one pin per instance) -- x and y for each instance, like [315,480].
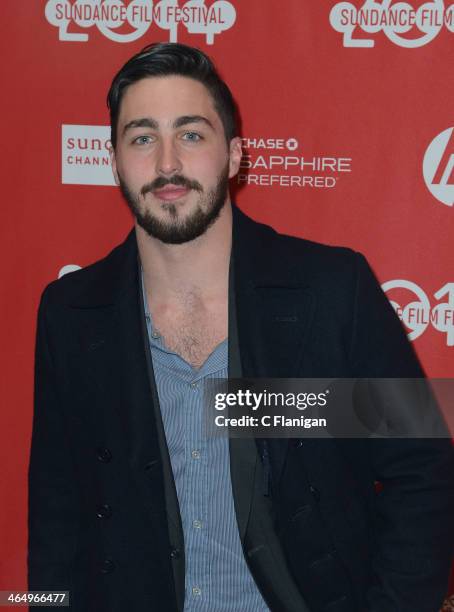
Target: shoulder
[97,281]
[299,256]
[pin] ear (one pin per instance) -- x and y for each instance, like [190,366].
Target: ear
[113,161]
[235,155]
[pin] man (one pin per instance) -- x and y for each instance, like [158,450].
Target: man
[131,507]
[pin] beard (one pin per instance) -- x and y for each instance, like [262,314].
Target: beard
[176,230]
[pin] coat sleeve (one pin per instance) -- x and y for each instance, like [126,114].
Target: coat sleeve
[52,511]
[414,516]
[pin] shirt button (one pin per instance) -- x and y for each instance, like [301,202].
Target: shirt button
[197,591]
[194,385]
[195,454]
[154,334]
[197,524]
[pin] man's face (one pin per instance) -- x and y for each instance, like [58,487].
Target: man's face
[172,161]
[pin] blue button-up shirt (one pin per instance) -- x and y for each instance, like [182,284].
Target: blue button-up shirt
[217,578]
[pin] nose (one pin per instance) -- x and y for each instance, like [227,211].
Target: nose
[168,161]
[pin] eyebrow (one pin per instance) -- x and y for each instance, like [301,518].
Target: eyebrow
[149,122]
[143,122]
[186,119]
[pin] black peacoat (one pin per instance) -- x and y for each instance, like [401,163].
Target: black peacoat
[98,524]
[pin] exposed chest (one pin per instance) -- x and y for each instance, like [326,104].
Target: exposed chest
[192,328]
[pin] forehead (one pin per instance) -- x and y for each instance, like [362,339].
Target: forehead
[165,98]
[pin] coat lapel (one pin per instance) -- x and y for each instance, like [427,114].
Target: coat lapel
[243,453]
[274,314]
[108,318]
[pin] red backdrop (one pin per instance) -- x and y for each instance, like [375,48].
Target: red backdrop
[348,139]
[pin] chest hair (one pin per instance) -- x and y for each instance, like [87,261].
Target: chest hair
[192,326]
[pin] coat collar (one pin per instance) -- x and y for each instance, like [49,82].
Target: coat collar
[274,306]
[111,278]
[257,265]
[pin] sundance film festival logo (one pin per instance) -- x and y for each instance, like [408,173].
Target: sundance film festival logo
[417,313]
[277,162]
[125,22]
[438,167]
[401,22]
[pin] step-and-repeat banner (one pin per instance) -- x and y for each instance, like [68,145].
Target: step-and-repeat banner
[348,138]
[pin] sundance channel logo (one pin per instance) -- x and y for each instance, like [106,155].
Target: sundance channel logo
[85,155]
[279,162]
[125,22]
[405,24]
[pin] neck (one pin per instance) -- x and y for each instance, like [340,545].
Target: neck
[200,266]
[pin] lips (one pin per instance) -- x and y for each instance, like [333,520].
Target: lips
[171,192]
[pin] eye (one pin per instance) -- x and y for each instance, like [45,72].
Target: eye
[192,136]
[142,140]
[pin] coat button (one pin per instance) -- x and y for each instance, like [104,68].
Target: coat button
[315,492]
[107,566]
[175,553]
[298,443]
[104,455]
[104,511]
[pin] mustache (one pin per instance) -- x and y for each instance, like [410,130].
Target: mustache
[177,179]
